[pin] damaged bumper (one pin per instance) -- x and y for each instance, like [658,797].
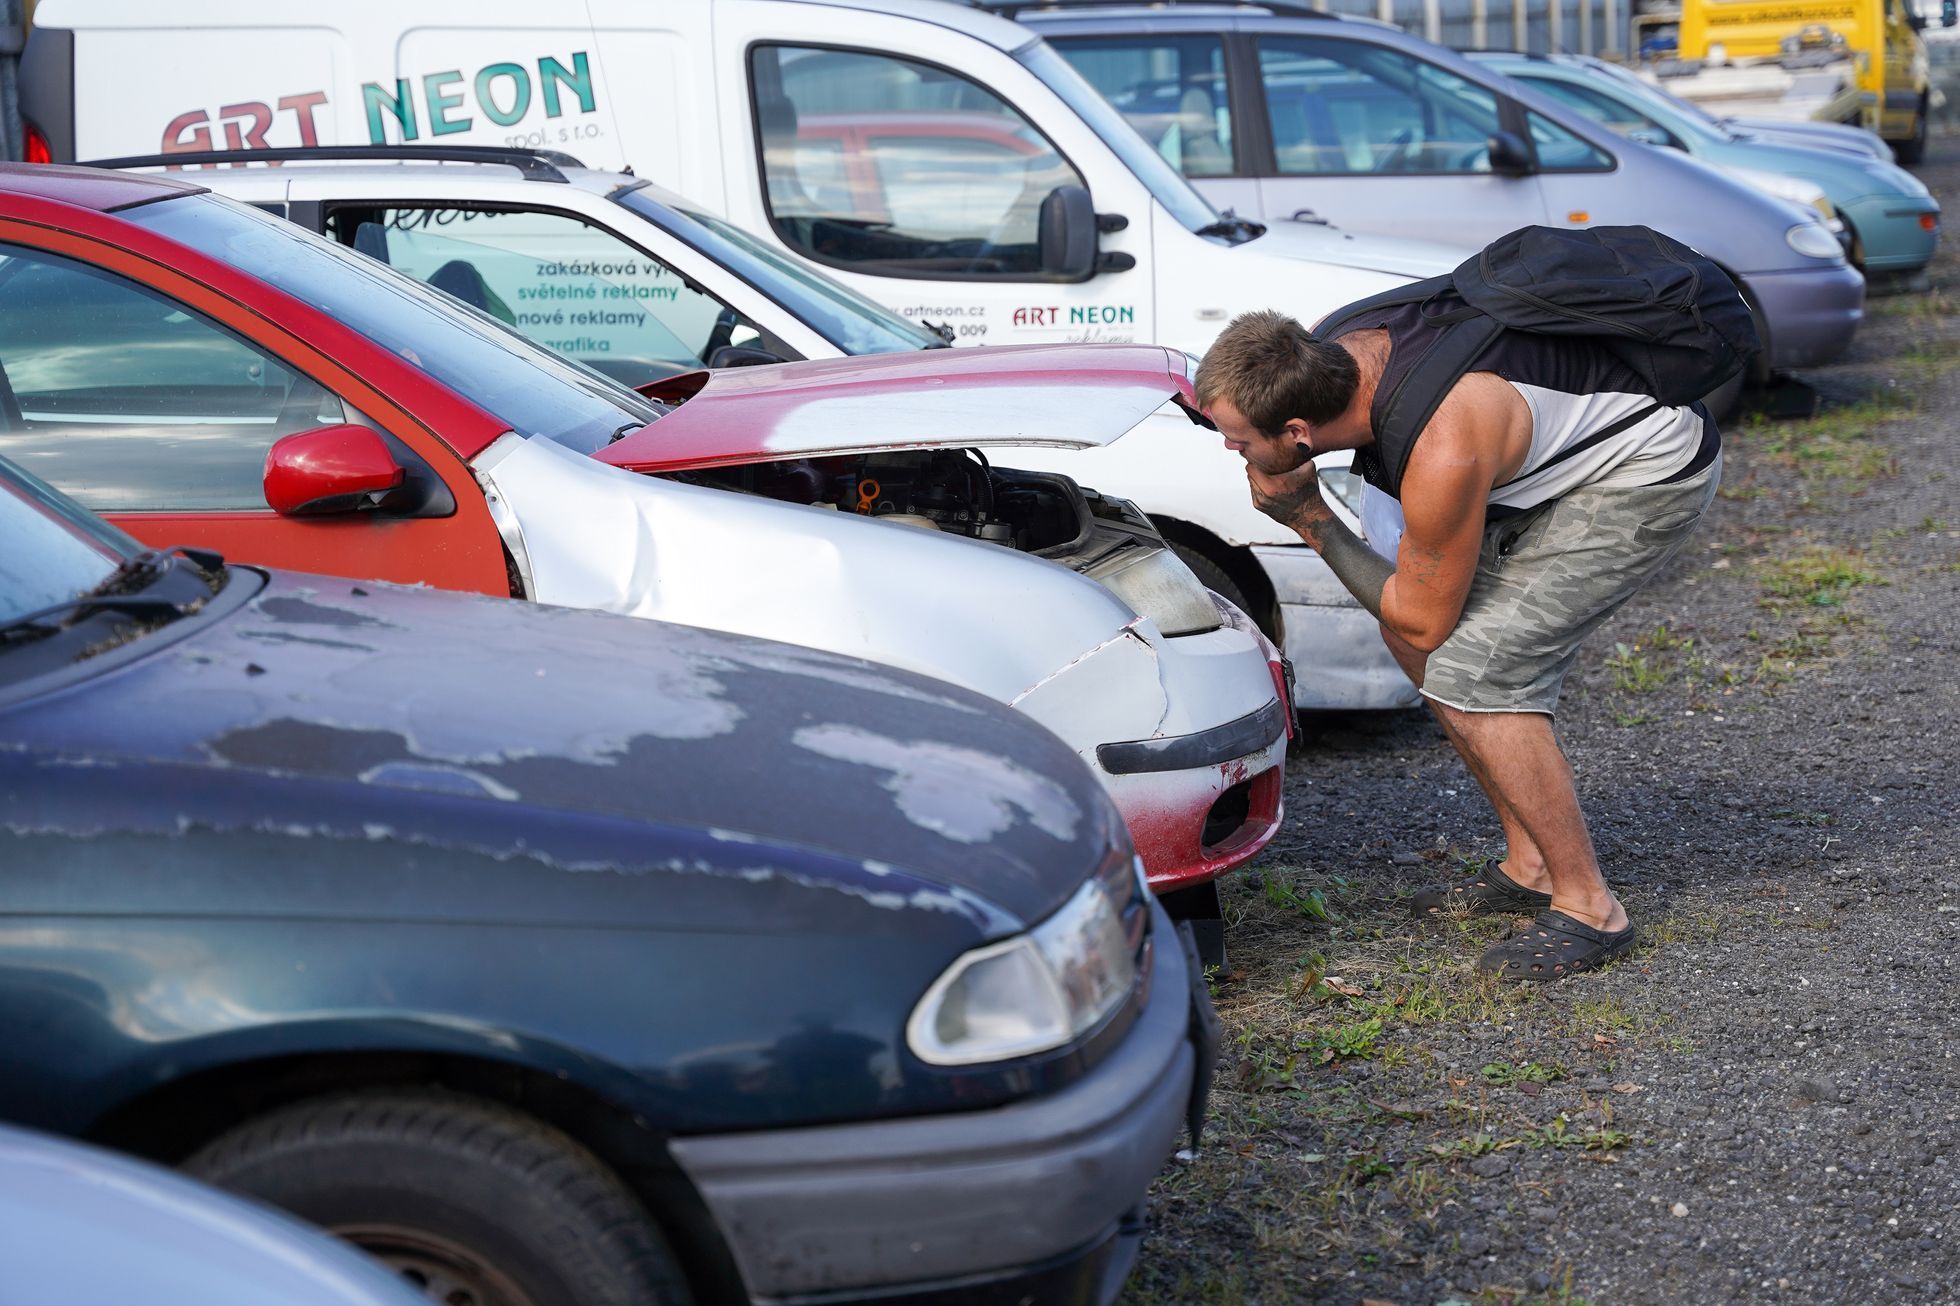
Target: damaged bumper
[1035,1201]
[1197,778]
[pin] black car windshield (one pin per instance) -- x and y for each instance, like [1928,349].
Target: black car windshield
[50,550]
[502,372]
[1190,209]
[850,321]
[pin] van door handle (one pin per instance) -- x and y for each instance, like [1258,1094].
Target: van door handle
[1308,215]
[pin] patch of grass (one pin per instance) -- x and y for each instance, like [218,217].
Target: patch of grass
[1819,577]
[1650,662]
[1503,1074]
[1634,718]
[1351,1041]
[1836,445]
[1601,1012]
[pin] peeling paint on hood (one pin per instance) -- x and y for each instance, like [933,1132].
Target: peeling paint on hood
[554,719]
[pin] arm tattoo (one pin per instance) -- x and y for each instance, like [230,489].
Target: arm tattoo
[1357,566]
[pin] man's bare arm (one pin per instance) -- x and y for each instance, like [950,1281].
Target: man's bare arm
[1294,500]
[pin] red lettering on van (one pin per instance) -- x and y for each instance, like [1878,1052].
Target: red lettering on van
[175,139]
[245,124]
[302,107]
[236,138]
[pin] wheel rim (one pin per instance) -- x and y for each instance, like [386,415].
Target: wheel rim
[440,1270]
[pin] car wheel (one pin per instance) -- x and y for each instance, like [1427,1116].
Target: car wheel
[1913,148]
[1212,576]
[473,1203]
[1725,399]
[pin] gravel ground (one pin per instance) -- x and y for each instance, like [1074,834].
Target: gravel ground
[1759,1103]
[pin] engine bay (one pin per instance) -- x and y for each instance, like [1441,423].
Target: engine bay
[956,491]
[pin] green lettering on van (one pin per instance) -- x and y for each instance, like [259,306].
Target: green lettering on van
[401,104]
[520,80]
[440,103]
[551,73]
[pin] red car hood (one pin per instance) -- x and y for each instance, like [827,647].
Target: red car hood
[1070,396]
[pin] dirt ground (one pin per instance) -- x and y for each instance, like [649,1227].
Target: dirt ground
[1758,1104]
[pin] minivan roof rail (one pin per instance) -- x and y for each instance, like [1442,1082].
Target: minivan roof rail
[535,165]
[1291,8]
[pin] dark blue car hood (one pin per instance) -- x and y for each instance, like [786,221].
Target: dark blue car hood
[404,719]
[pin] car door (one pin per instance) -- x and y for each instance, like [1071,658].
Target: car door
[140,404]
[1371,137]
[1172,87]
[922,185]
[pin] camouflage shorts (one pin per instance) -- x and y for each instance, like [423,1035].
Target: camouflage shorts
[1547,578]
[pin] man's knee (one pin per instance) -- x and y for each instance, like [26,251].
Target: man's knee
[1411,659]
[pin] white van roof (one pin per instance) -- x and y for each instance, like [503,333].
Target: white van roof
[82,15]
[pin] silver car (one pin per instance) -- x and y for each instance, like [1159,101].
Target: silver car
[1315,118]
[81,1225]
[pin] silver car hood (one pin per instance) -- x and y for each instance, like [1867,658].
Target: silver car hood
[995,621]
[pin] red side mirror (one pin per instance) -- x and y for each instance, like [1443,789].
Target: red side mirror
[329,469]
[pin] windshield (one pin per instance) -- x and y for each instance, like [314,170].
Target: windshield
[50,550]
[1190,209]
[488,363]
[1687,111]
[839,314]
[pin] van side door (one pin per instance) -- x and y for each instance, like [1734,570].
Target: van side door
[921,165]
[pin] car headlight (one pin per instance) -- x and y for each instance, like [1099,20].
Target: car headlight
[1812,241]
[1031,993]
[1797,190]
[1156,584]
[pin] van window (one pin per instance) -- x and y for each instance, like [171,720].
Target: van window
[1561,151]
[1607,110]
[130,402]
[1170,88]
[572,287]
[1347,107]
[888,166]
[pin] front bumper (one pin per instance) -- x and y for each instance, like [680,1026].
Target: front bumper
[984,1206]
[1893,231]
[1810,313]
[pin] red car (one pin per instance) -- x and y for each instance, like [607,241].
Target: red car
[202,373]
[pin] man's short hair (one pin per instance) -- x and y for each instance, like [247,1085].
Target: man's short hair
[1273,369]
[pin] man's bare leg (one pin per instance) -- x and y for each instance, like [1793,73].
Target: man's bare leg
[1519,757]
[1524,861]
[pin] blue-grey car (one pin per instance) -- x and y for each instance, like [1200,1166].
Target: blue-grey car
[1317,118]
[556,957]
[81,1225]
[1891,217]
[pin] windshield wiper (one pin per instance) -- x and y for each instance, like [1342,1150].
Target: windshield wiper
[1234,228]
[940,329]
[117,593]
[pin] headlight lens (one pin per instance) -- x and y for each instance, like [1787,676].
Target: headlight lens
[1157,585]
[1812,241]
[1030,993]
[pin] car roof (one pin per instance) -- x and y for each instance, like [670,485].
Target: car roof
[393,175]
[90,188]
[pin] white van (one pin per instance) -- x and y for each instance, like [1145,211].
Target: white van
[935,158]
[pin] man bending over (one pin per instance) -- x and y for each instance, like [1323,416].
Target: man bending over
[1522,531]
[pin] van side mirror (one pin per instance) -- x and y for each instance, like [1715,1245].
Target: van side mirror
[330,469]
[1949,13]
[1916,20]
[1067,234]
[1509,155]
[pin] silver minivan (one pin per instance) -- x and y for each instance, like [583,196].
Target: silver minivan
[1314,118]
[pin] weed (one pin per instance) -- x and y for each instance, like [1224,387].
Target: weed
[1818,577]
[1835,445]
[1634,718]
[1505,1075]
[1352,1041]
[1312,903]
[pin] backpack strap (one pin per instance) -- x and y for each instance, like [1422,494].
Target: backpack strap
[1417,396]
[1345,319]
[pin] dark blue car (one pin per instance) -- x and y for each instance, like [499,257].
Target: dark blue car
[560,958]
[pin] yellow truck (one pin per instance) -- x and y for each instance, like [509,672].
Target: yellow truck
[1855,61]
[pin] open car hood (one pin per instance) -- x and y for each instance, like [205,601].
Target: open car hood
[1068,396]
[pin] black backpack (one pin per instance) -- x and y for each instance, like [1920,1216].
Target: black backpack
[1670,314]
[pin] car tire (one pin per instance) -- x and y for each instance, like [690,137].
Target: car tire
[1911,150]
[1725,400]
[1212,576]
[475,1203]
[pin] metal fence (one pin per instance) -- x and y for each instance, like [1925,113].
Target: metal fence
[1573,26]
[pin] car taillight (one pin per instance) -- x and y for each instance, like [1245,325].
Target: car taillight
[34,145]
[1283,682]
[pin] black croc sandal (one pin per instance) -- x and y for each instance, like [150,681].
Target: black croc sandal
[1552,947]
[1491,891]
